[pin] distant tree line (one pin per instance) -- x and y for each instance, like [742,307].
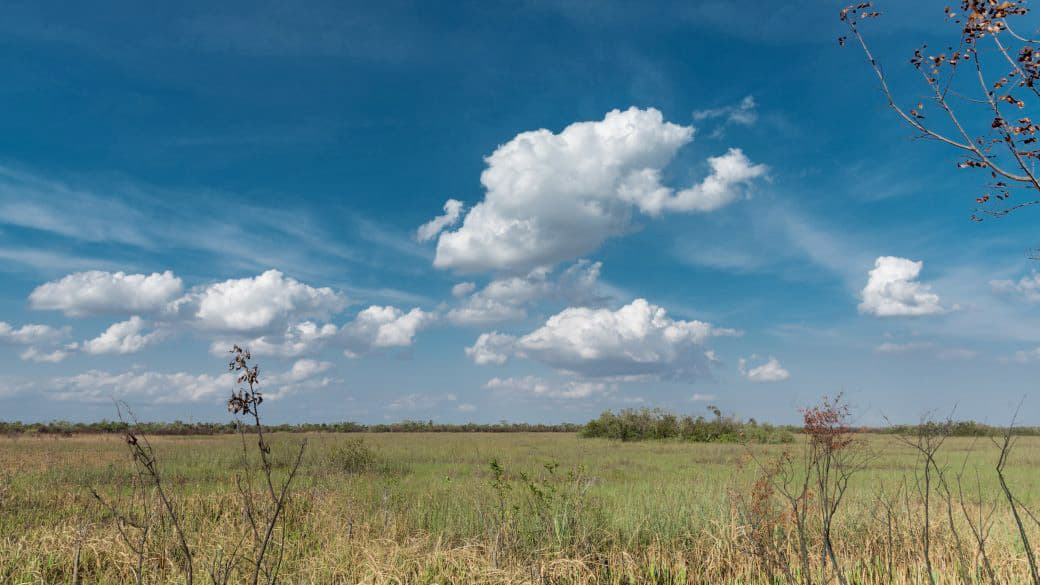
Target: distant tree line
[624,425]
[65,428]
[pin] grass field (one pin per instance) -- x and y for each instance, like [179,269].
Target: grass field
[425,508]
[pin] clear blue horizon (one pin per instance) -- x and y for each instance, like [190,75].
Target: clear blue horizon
[530,211]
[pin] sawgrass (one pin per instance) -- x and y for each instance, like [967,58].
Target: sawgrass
[426,507]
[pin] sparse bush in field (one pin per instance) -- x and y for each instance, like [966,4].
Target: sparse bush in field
[645,424]
[351,456]
[551,508]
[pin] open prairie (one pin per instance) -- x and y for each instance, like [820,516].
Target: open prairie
[558,508]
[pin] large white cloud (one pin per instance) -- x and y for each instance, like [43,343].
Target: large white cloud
[267,302]
[96,292]
[636,340]
[893,290]
[383,327]
[552,197]
[128,336]
[770,371]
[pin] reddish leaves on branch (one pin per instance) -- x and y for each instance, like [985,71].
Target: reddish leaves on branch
[827,424]
[992,140]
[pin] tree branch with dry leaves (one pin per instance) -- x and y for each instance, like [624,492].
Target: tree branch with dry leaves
[993,131]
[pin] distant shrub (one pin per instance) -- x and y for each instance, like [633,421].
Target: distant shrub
[647,424]
[351,456]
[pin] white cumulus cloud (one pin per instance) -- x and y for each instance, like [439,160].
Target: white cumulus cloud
[305,374]
[491,348]
[638,339]
[893,290]
[30,334]
[128,336]
[296,340]
[552,197]
[771,371]
[97,292]
[382,327]
[265,302]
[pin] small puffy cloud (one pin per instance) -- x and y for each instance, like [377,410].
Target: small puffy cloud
[304,369]
[462,289]
[718,189]
[296,340]
[466,407]
[33,354]
[97,292]
[535,387]
[507,299]
[638,339]
[697,397]
[491,348]
[35,336]
[381,327]
[268,301]
[1027,287]
[552,197]
[502,300]
[430,229]
[30,334]
[125,337]
[305,374]
[771,371]
[893,290]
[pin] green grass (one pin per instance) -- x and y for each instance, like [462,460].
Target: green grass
[424,507]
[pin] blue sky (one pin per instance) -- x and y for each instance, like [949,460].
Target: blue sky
[668,205]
